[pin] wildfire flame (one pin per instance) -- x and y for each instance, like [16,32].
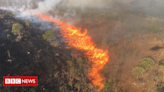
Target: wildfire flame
[75,38]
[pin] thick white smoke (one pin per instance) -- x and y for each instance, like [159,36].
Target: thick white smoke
[47,5]
[53,6]
[43,6]
[87,3]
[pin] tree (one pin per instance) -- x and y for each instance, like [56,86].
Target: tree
[17,28]
[144,64]
[147,63]
[49,36]
[138,72]
[150,62]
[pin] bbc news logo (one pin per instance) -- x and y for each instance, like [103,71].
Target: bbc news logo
[20,80]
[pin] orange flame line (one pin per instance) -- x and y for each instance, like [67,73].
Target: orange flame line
[82,41]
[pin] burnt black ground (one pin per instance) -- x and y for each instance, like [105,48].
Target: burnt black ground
[42,60]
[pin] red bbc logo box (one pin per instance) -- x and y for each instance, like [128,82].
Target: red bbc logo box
[20,80]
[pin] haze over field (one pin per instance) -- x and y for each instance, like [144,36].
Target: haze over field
[43,6]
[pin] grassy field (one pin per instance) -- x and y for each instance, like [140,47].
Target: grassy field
[129,37]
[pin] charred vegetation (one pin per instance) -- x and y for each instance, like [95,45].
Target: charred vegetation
[58,69]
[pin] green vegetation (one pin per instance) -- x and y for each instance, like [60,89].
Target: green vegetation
[107,86]
[144,64]
[138,72]
[155,28]
[27,23]
[55,44]
[17,28]
[79,60]
[77,68]
[160,85]
[49,36]
[8,13]
[161,69]
[147,63]
[161,62]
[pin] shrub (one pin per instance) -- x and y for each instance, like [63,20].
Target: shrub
[79,60]
[161,62]
[138,71]
[18,38]
[155,28]
[107,86]
[144,64]
[147,63]
[8,13]
[77,85]
[49,36]
[28,23]
[8,35]
[55,44]
[17,28]
[160,87]
[161,69]
[70,63]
